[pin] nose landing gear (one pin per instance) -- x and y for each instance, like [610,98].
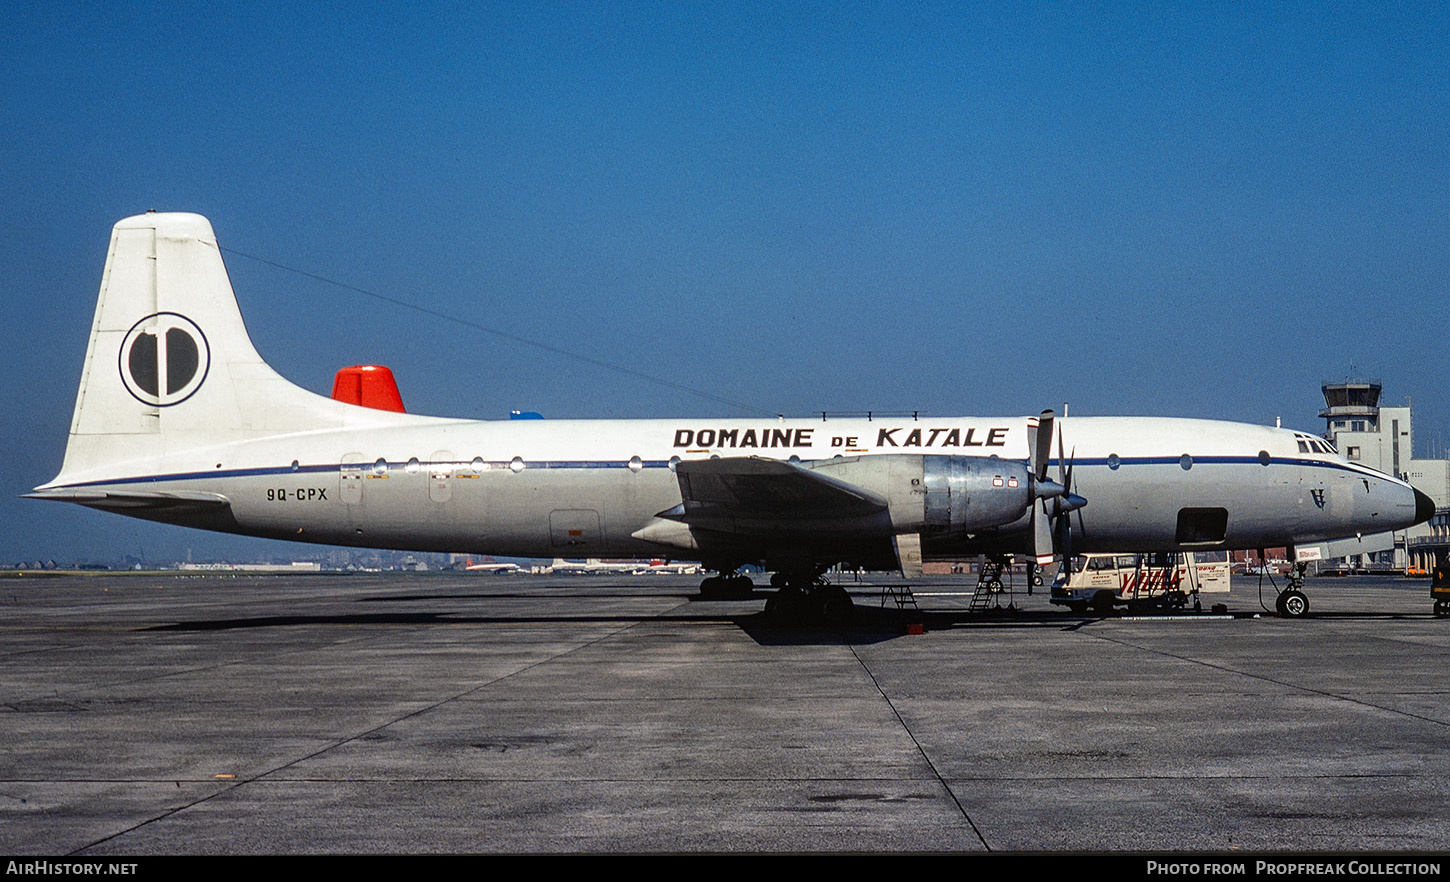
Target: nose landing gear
[1292,602]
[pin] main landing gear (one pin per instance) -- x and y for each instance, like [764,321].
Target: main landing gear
[802,598]
[726,586]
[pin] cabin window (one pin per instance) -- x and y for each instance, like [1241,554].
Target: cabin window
[296,465]
[635,463]
[1114,461]
[380,467]
[1202,526]
[674,461]
[413,465]
[1263,457]
[478,464]
[1185,462]
[516,464]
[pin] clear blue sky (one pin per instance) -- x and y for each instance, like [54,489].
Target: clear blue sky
[1168,209]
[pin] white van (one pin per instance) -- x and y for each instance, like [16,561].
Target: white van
[1175,580]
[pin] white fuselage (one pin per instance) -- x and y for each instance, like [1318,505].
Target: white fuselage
[548,488]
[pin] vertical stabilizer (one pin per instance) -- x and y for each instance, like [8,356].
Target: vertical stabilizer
[170,367]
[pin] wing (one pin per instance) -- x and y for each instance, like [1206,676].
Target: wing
[767,490]
[749,498]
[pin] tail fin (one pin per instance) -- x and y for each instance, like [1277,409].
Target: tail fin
[170,366]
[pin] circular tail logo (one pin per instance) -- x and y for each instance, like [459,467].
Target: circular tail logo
[164,359]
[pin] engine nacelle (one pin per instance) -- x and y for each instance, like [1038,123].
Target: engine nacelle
[968,493]
[940,494]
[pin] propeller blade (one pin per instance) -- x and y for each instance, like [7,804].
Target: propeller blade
[1066,521]
[1041,442]
[1065,504]
[1061,460]
[1041,533]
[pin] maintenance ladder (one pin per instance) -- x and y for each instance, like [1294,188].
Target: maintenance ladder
[990,585]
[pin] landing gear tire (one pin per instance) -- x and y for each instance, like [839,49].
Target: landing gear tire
[787,607]
[835,606]
[710,588]
[720,587]
[1292,604]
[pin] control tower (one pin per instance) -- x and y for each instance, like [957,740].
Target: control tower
[1379,436]
[1353,406]
[1364,430]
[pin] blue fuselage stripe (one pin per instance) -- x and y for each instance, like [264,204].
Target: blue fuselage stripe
[504,465]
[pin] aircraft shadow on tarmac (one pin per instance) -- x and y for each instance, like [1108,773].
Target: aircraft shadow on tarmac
[871,623]
[876,617]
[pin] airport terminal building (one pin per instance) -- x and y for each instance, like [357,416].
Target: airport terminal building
[1382,438]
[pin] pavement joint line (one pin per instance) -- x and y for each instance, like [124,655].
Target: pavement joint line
[936,773]
[1267,679]
[232,786]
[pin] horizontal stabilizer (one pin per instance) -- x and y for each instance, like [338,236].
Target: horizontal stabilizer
[131,500]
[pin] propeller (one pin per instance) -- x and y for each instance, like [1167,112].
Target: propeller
[1052,501]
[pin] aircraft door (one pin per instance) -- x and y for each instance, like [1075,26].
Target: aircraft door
[350,478]
[440,476]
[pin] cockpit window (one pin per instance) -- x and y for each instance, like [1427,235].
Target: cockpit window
[1311,444]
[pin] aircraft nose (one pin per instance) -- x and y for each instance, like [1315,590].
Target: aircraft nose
[1424,507]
